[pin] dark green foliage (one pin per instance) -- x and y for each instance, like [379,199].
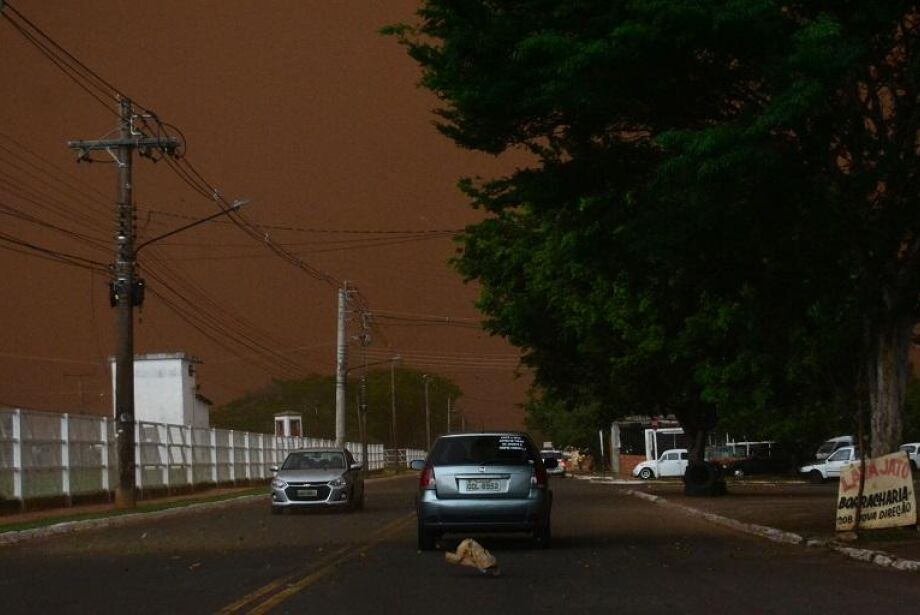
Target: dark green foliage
[722,212]
[314,397]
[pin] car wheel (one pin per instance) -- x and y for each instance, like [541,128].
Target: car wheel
[738,472]
[426,538]
[277,510]
[815,477]
[646,473]
[543,535]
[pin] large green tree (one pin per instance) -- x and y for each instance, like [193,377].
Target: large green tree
[722,214]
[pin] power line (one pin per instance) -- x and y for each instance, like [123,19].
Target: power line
[333,231]
[62,256]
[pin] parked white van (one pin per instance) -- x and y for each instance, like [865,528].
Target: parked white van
[824,451]
[672,462]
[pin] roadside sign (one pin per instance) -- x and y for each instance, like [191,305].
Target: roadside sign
[888,495]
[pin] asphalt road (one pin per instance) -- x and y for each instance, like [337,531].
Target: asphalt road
[611,553]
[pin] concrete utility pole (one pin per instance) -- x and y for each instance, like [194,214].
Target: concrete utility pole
[427,414]
[365,340]
[448,414]
[126,291]
[341,367]
[393,402]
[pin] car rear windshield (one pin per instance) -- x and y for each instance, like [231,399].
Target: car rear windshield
[315,461]
[510,449]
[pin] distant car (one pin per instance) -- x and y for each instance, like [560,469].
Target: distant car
[483,482]
[832,444]
[317,477]
[559,458]
[913,451]
[831,467]
[764,461]
[672,462]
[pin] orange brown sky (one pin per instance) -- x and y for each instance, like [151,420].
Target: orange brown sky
[298,106]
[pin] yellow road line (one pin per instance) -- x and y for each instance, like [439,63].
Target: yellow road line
[324,566]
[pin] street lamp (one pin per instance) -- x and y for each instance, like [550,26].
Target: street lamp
[234,207]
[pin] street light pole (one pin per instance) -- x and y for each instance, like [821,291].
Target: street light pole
[393,406]
[427,414]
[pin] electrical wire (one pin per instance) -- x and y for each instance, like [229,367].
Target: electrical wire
[72,259]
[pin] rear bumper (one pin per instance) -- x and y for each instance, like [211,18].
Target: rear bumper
[484,514]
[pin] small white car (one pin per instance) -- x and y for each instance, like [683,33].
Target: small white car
[672,462]
[831,467]
[913,451]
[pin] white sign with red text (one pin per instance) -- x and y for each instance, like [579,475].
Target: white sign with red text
[888,494]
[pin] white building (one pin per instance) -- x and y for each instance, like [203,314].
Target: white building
[166,390]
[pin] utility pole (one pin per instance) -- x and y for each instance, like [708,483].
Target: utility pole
[341,367]
[427,414]
[365,340]
[448,414]
[126,291]
[393,402]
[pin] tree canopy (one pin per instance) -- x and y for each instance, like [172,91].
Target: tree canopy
[722,216]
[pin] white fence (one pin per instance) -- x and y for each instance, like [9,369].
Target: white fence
[47,455]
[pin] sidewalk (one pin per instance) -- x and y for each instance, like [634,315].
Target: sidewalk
[800,508]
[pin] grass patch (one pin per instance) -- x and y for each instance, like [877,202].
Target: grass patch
[143,507]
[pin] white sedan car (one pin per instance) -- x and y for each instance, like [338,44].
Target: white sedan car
[672,462]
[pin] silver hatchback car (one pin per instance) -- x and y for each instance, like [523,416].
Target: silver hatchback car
[316,477]
[483,482]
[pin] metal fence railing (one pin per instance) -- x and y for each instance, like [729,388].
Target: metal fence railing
[47,455]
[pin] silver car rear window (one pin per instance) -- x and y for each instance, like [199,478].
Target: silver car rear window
[483,450]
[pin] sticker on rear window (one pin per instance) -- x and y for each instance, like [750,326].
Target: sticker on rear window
[512,443]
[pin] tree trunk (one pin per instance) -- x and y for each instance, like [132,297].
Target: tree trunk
[886,378]
[697,422]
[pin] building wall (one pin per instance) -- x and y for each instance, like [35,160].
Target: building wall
[160,391]
[165,391]
[202,414]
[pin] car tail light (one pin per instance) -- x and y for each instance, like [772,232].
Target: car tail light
[427,479]
[539,479]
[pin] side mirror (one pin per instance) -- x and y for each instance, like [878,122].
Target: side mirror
[355,467]
[551,463]
[273,469]
[417,464]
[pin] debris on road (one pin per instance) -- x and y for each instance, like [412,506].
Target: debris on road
[471,553]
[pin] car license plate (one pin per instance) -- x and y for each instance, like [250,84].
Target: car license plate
[481,485]
[307,493]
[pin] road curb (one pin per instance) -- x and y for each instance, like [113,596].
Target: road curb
[878,558]
[68,527]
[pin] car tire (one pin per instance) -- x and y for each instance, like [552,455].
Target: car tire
[277,510]
[815,477]
[426,538]
[543,535]
[738,473]
[646,473]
